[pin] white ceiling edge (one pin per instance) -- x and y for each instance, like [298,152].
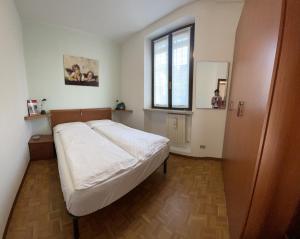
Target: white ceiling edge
[169,27]
[112,19]
[30,21]
[182,21]
[177,23]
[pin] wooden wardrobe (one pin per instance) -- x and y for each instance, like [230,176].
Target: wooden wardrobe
[262,139]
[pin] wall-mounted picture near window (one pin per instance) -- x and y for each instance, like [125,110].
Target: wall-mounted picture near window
[81,71]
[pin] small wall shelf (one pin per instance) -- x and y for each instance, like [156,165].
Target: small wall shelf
[127,111]
[35,117]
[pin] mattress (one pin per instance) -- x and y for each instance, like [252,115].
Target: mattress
[86,201]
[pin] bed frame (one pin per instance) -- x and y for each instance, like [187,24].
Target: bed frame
[84,115]
[79,115]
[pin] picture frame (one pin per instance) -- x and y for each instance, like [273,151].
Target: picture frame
[32,107]
[81,71]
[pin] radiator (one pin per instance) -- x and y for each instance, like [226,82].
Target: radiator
[176,129]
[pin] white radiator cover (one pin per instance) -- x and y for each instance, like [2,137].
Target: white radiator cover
[176,129]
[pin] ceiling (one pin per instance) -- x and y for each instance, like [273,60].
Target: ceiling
[112,19]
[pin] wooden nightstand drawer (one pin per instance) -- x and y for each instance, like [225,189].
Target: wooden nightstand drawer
[42,148]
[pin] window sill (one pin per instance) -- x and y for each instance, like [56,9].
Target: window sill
[180,112]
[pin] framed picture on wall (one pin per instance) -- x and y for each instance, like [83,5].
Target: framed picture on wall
[81,71]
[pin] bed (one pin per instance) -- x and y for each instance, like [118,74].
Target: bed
[81,201]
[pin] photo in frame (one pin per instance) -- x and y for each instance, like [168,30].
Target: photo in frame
[81,71]
[32,107]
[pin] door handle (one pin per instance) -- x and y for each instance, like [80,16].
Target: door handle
[231,105]
[241,109]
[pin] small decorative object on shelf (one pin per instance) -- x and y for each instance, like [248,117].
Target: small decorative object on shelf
[36,137]
[36,109]
[43,111]
[120,106]
[32,106]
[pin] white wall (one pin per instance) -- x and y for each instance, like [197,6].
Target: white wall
[15,132]
[215,27]
[45,46]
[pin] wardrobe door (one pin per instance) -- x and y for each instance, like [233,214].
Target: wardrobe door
[276,197]
[254,61]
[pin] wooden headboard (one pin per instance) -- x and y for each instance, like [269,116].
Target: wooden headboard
[79,115]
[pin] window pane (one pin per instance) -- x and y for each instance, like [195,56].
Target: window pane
[161,72]
[180,68]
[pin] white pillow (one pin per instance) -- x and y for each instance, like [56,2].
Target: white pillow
[94,123]
[58,128]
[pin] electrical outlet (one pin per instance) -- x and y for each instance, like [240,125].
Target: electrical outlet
[202,146]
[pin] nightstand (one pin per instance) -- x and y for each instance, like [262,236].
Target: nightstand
[42,148]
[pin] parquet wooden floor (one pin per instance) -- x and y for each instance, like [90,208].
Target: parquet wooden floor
[187,203]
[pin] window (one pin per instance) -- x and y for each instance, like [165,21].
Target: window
[172,69]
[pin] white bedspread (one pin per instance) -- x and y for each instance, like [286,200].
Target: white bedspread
[140,144]
[91,158]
